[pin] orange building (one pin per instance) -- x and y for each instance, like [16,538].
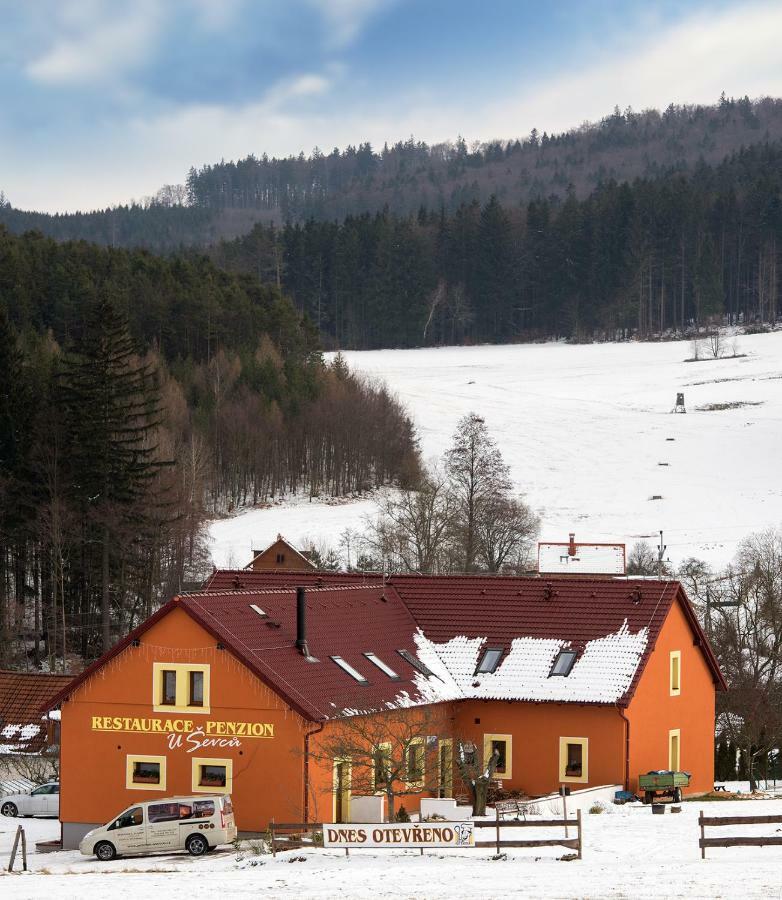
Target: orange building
[575,681]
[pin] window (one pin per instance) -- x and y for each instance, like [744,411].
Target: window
[414,762]
[212,776]
[489,661]
[415,662]
[280,558]
[164,812]
[196,688]
[381,763]
[676,673]
[574,759]
[502,744]
[564,663]
[674,750]
[445,768]
[145,773]
[180,687]
[130,817]
[168,697]
[346,667]
[258,609]
[382,666]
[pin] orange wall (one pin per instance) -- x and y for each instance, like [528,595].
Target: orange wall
[267,772]
[653,712]
[536,730]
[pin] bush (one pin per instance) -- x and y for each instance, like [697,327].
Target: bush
[597,808]
[402,815]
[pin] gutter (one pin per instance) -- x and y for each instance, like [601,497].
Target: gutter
[627,748]
[307,736]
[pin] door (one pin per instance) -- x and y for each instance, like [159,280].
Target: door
[127,831]
[341,791]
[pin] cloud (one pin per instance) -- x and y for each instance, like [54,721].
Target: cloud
[345,19]
[97,43]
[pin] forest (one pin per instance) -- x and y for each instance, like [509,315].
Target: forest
[642,259]
[138,397]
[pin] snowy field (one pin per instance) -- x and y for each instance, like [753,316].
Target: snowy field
[628,853]
[590,438]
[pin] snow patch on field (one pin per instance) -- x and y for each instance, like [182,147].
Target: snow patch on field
[590,438]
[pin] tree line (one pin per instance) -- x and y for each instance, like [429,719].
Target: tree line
[138,397]
[658,256]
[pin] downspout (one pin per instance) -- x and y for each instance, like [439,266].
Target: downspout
[307,736]
[627,746]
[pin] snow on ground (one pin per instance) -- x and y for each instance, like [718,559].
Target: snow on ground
[590,438]
[628,852]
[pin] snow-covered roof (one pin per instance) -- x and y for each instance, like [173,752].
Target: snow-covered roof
[581,559]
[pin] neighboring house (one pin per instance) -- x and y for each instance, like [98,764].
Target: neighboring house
[280,556]
[580,558]
[26,733]
[575,681]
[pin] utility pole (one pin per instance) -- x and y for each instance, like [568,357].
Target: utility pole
[661,548]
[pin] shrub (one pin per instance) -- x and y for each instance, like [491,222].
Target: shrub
[402,815]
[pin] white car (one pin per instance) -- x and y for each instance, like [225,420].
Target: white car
[42,801]
[196,824]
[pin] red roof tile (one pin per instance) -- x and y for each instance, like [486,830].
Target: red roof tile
[22,696]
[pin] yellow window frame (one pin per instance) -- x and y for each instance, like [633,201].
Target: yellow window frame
[583,778]
[383,747]
[197,762]
[675,673]
[346,788]
[487,742]
[415,782]
[675,757]
[131,760]
[182,704]
[445,777]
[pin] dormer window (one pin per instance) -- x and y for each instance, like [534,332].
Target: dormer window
[346,667]
[258,610]
[382,666]
[489,661]
[564,663]
[415,662]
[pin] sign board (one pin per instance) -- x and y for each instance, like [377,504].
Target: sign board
[400,834]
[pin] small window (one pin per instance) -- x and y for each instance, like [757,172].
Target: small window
[415,662]
[146,772]
[674,750]
[380,765]
[163,812]
[564,663]
[258,609]
[415,762]
[168,695]
[280,558]
[676,673]
[382,666]
[346,667]
[212,776]
[501,749]
[203,809]
[196,688]
[500,744]
[574,759]
[489,661]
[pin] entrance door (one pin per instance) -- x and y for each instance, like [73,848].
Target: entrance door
[341,791]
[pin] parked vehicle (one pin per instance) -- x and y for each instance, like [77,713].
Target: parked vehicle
[663,783]
[196,824]
[42,801]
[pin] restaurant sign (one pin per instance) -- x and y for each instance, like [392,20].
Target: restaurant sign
[425,834]
[186,734]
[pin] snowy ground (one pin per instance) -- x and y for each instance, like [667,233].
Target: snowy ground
[590,438]
[628,853]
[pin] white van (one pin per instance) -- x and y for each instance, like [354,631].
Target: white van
[196,824]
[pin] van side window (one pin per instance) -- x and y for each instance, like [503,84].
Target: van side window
[162,812]
[133,816]
[203,809]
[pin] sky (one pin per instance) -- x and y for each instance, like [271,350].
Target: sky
[102,102]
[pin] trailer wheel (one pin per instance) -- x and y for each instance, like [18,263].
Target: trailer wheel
[677,795]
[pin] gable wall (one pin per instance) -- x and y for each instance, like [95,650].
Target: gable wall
[653,712]
[292,561]
[267,771]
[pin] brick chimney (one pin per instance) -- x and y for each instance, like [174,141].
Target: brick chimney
[572,546]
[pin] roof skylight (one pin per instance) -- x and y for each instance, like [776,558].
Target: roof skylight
[382,666]
[346,667]
[564,662]
[489,661]
[258,609]
[415,662]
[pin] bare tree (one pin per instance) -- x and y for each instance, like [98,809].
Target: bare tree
[506,531]
[642,560]
[395,753]
[476,772]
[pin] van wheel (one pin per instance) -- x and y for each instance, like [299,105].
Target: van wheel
[9,809]
[105,851]
[197,845]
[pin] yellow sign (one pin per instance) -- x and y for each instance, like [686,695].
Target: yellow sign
[216,729]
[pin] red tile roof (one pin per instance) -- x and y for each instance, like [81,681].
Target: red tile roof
[23,727]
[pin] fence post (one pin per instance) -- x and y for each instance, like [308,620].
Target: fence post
[14,848]
[497,814]
[564,805]
[578,828]
[271,831]
[24,850]
[703,835]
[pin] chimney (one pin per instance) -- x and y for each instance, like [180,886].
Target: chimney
[572,546]
[301,621]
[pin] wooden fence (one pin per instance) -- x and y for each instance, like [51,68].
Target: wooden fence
[742,841]
[566,841]
[293,835]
